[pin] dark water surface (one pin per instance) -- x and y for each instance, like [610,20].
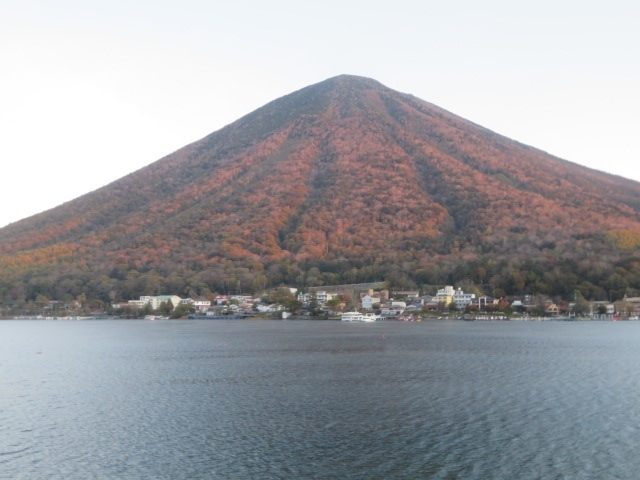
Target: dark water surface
[319,400]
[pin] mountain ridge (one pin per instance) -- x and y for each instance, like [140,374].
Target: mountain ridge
[344,174]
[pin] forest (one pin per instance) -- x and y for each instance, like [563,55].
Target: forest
[605,278]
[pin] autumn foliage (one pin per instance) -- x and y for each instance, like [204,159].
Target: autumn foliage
[340,182]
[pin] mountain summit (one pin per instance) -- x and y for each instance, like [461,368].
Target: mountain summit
[339,182]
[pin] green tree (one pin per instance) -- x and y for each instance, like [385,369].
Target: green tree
[41,300]
[314,307]
[539,306]
[279,296]
[283,296]
[581,306]
[259,283]
[334,302]
[166,307]
[182,310]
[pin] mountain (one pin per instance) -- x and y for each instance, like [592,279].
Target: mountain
[340,182]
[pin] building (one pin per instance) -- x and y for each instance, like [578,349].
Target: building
[411,294]
[629,306]
[609,308]
[221,299]
[369,301]
[199,304]
[551,309]
[322,297]
[155,302]
[137,303]
[462,299]
[485,301]
[445,295]
[448,294]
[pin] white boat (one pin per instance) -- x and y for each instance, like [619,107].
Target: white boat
[370,317]
[359,317]
[351,317]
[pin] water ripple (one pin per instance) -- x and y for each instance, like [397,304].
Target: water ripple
[319,400]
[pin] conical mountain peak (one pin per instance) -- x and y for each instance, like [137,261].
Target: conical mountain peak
[341,181]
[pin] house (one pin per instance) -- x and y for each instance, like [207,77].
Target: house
[485,301]
[551,309]
[199,304]
[427,302]
[601,307]
[517,304]
[369,301]
[629,306]
[220,299]
[216,311]
[322,297]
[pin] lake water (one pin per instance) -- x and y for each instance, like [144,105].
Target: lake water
[319,400]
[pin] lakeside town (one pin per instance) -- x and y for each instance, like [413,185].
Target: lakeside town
[358,302]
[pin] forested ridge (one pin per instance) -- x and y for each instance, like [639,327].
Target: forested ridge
[343,181]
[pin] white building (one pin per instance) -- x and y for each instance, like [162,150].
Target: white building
[155,302]
[448,294]
[369,301]
[462,299]
[199,304]
[445,295]
[321,297]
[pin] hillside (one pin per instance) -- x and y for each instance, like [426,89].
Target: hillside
[340,182]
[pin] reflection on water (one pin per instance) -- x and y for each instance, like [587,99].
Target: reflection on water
[273,399]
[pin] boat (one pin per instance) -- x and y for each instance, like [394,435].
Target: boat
[370,317]
[359,317]
[351,316]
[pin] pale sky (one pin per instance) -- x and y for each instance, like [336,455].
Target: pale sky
[91,91]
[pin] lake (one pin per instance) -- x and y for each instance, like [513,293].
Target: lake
[250,399]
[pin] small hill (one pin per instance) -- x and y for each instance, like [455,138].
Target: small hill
[343,181]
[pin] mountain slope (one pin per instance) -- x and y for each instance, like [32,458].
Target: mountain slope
[340,181]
